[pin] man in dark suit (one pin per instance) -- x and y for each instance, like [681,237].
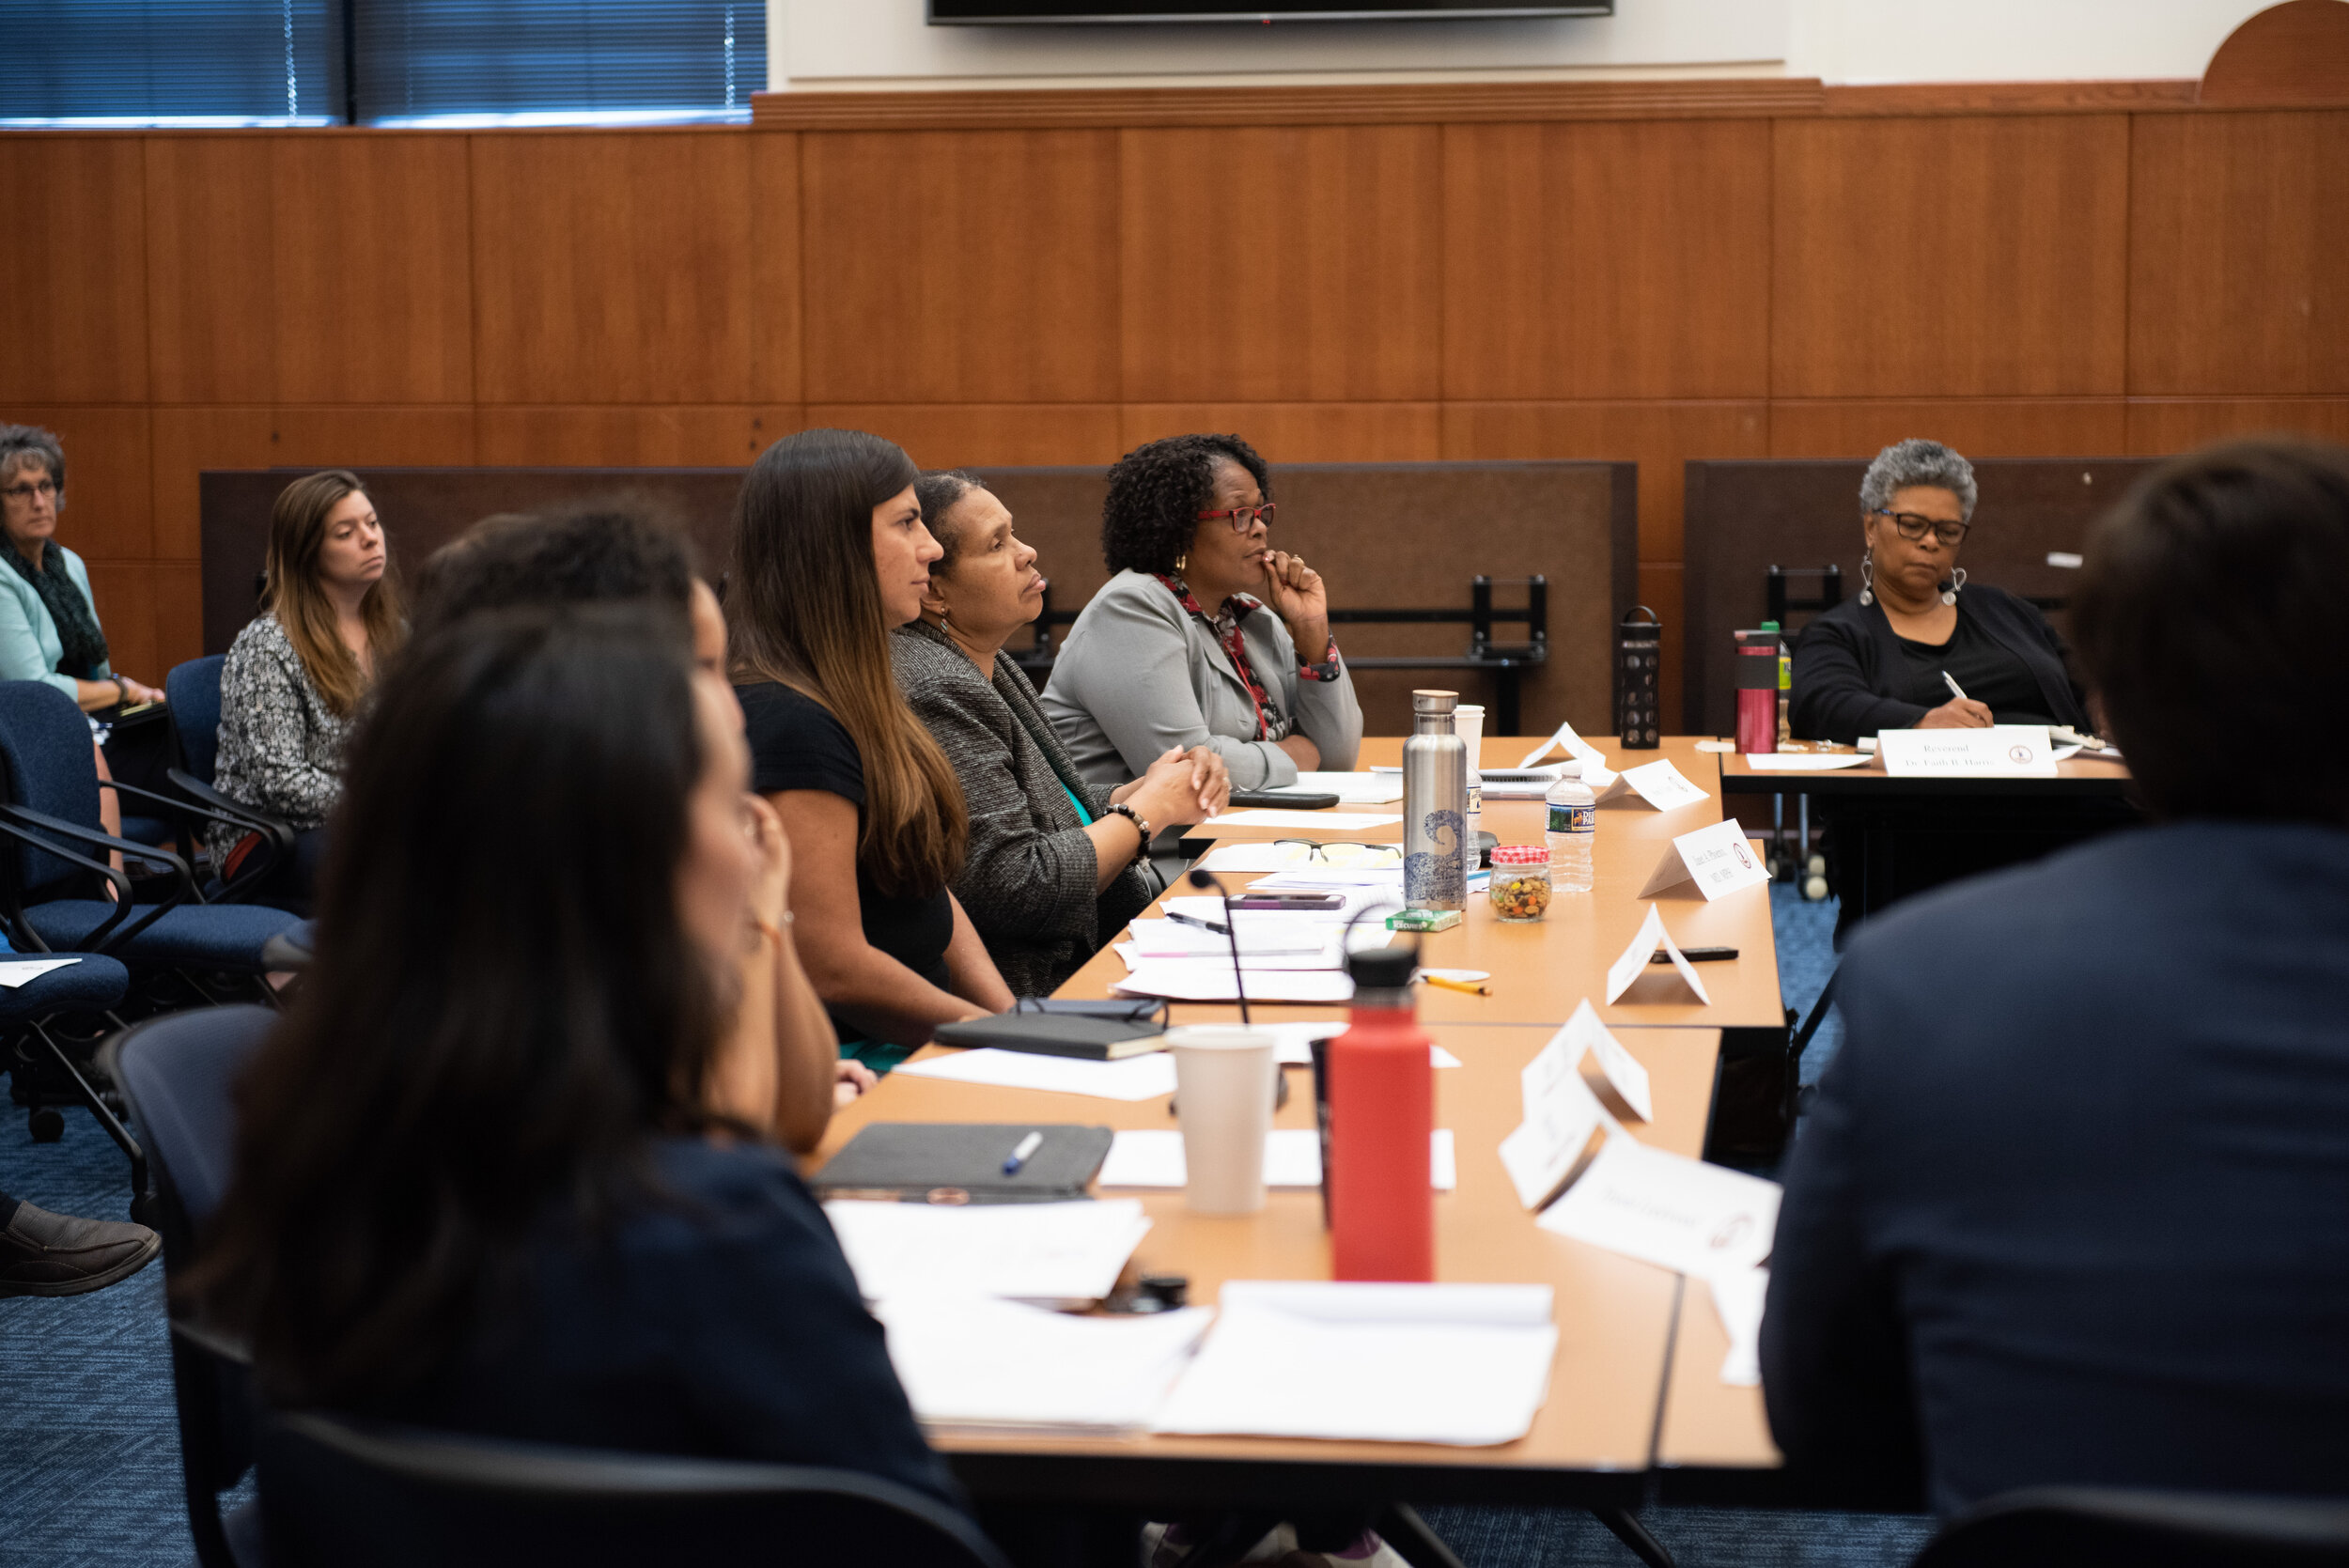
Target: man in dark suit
[2073,1206]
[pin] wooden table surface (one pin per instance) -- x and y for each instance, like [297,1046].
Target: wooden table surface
[1541,971]
[1594,1437]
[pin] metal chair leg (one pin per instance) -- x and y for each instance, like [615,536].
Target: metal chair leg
[106,1118]
[1633,1534]
[1400,1527]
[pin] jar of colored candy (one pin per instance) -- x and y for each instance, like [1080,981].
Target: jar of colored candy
[1520,881]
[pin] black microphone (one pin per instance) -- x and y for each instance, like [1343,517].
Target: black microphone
[1231,932]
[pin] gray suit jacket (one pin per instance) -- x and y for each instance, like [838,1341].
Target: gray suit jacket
[1139,675]
[1027,882]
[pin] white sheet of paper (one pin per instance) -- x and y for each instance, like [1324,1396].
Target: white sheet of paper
[1738,1295]
[1260,855]
[1668,1209]
[1325,958]
[1210,980]
[1336,821]
[1294,1043]
[1354,789]
[1292,1157]
[1028,1252]
[1802,762]
[1595,769]
[1716,858]
[1354,896]
[1459,1364]
[1582,1036]
[1651,935]
[1543,1153]
[19,972]
[2001,751]
[981,1365]
[1136,1077]
[1660,784]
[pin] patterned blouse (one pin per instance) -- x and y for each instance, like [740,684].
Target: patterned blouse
[281,747]
[1271,723]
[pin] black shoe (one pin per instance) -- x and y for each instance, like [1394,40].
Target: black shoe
[57,1254]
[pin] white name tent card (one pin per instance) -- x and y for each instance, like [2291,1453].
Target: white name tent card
[1738,1295]
[1660,784]
[1461,1364]
[1595,769]
[1633,964]
[984,1366]
[1582,1038]
[2001,751]
[1667,1209]
[1153,1157]
[1716,858]
[1554,1142]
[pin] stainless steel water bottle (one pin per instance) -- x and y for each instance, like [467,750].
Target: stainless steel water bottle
[1435,806]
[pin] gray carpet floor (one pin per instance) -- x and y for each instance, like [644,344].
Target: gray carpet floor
[89,1453]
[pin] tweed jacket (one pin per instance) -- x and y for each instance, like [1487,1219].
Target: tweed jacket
[1027,882]
[1140,674]
[281,747]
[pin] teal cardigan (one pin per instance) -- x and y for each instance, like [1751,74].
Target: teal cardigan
[29,648]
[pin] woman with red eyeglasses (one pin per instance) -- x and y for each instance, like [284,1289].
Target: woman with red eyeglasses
[1920,648]
[1206,635]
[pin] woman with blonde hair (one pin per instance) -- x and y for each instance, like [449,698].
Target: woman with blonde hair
[297,675]
[829,553]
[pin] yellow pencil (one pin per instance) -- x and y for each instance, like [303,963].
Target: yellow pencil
[1457,985]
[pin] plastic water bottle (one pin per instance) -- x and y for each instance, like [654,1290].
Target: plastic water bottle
[1573,824]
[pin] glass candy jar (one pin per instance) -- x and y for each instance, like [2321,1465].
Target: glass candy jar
[1519,889]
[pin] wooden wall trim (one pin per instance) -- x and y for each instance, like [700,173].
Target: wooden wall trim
[1397,104]
[2010,97]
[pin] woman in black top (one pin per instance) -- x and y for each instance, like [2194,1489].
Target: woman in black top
[1881,662]
[830,553]
[494,1173]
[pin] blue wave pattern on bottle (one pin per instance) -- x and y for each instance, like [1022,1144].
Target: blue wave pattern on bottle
[1438,880]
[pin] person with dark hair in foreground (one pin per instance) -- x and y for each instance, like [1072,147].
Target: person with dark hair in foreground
[1056,862]
[1208,636]
[493,1173]
[830,554]
[617,553]
[2069,1207]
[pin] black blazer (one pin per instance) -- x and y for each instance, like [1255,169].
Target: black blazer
[1844,659]
[2073,1205]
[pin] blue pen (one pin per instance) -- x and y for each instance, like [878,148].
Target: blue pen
[1028,1145]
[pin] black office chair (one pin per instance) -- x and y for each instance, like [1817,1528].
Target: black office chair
[342,1494]
[2076,1526]
[177,1074]
[193,703]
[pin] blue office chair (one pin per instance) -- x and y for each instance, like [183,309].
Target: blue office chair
[177,1074]
[2063,1527]
[52,867]
[192,692]
[351,1495]
[50,1024]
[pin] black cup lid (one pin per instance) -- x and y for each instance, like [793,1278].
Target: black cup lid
[1382,969]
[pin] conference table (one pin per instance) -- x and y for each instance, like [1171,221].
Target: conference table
[1627,1329]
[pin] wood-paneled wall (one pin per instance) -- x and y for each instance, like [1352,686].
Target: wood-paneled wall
[2108,276]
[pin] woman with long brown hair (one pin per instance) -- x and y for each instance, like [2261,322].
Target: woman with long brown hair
[298,673]
[829,553]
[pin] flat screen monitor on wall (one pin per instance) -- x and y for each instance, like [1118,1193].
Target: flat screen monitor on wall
[1034,12]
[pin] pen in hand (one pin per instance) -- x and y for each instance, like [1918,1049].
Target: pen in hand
[1028,1145]
[1955,690]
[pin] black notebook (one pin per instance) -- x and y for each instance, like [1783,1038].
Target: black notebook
[1058,1034]
[962,1162]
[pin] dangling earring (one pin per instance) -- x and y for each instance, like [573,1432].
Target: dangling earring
[1950,588]
[944,623]
[1867,577]
[1182,562]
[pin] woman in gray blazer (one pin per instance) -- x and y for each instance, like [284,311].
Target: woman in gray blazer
[1206,635]
[1056,862]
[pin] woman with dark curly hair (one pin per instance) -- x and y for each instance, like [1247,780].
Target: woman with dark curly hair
[1206,635]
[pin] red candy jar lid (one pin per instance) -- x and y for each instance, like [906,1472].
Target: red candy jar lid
[1520,854]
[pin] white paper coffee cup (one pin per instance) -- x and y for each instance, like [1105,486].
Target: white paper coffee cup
[1223,1084]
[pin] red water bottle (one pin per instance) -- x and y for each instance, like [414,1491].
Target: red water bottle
[1382,1114]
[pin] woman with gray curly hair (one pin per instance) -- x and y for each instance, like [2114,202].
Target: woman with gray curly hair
[1888,660]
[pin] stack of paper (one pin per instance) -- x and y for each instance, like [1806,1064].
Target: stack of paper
[973,1364]
[1333,821]
[1465,1364]
[1518,783]
[1135,1078]
[1213,980]
[1051,1253]
[1292,1157]
[1354,789]
[1595,769]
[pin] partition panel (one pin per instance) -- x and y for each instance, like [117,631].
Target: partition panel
[211,263]
[83,259]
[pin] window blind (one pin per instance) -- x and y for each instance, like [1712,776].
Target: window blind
[172,61]
[558,59]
